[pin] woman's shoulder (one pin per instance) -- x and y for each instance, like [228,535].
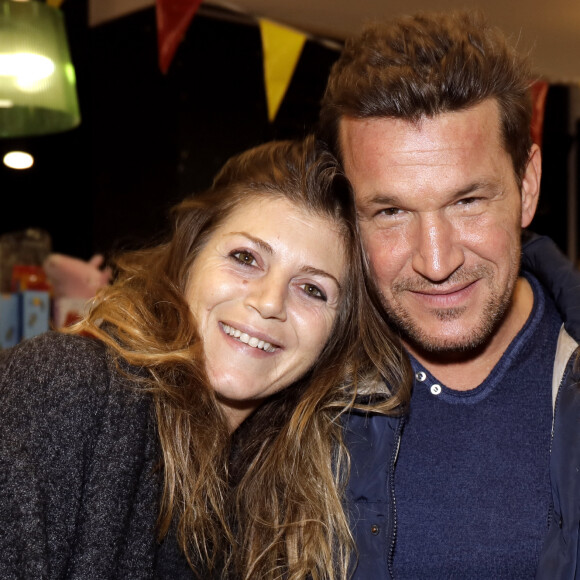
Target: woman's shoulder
[61,373]
[63,392]
[77,445]
[53,358]
[53,349]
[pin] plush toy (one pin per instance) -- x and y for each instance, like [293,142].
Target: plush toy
[74,278]
[74,282]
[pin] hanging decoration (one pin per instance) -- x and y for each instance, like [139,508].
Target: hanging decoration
[539,94]
[282,47]
[173,19]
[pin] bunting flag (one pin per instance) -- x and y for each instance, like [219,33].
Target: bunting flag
[173,18]
[282,47]
[539,93]
[55,3]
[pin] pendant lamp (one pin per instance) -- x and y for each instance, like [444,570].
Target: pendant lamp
[37,78]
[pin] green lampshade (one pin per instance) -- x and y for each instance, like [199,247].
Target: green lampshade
[37,78]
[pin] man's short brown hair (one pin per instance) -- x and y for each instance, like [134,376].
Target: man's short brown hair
[427,64]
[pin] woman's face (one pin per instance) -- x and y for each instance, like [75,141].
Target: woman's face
[264,292]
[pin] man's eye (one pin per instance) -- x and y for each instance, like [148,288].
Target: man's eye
[244,257]
[390,211]
[314,291]
[468,200]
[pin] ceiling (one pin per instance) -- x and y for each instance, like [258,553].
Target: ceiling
[550,29]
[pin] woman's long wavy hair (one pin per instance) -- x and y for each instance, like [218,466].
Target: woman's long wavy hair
[272,507]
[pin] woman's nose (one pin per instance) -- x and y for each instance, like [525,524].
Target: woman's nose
[268,295]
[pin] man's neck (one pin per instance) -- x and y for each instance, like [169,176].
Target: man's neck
[465,371]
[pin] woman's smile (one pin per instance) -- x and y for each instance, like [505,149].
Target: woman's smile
[264,291]
[245,338]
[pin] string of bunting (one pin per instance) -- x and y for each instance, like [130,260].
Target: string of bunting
[282,45]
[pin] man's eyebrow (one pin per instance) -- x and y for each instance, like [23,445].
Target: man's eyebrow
[381,199]
[477,185]
[394,200]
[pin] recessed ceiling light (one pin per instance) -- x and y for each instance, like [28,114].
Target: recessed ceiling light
[18,160]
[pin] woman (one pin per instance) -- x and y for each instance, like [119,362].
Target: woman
[116,437]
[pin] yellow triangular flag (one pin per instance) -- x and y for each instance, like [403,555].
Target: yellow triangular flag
[282,47]
[54,3]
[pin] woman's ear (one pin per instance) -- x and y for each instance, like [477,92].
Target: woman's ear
[530,189]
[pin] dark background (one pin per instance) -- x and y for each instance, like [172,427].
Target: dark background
[148,139]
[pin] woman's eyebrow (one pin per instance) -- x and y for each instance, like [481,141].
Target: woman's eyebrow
[259,242]
[318,272]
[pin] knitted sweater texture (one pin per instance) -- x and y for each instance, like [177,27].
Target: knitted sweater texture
[78,450]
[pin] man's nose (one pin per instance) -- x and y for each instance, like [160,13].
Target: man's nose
[437,254]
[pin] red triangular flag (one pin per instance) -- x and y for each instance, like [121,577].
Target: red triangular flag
[539,93]
[173,18]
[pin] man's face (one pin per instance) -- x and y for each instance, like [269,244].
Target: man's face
[441,215]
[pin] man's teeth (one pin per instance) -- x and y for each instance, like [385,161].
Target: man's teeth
[247,339]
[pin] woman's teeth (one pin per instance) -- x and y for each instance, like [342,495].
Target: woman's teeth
[247,339]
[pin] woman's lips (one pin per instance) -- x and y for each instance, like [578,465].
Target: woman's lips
[248,338]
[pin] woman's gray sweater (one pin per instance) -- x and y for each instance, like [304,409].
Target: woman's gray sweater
[78,450]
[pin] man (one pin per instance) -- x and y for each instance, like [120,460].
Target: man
[430,116]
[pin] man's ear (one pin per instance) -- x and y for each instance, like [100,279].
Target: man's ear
[531,185]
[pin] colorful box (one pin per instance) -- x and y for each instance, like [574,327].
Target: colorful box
[34,313]
[9,320]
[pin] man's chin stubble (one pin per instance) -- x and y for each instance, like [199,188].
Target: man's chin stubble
[470,343]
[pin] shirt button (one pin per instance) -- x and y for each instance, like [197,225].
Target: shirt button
[435,389]
[375,530]
[421,376]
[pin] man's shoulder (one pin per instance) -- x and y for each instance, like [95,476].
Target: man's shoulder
[372,441]
[367,434]
[557,274]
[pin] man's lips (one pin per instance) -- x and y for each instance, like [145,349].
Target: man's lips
[445,297]
[443,291]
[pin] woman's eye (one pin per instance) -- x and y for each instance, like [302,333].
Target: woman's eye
[244,257]
[314,291]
